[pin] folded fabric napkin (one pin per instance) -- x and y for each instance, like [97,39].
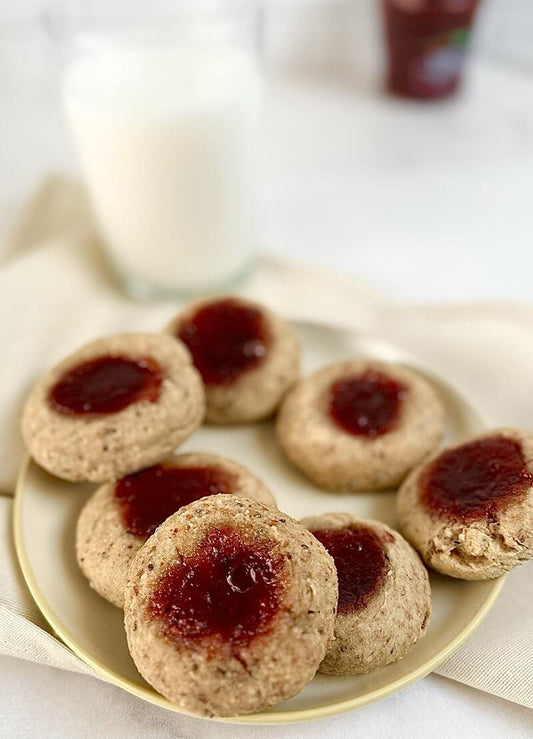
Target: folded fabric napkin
[56,294]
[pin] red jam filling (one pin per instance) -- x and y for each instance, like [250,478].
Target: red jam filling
[225,338]
[149,497]
[107,384]
[361,564]
[228,591]
[366,405]
[475,479]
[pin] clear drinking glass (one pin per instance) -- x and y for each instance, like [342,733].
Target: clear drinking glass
[163,101]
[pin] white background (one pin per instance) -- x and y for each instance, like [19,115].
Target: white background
[424,202]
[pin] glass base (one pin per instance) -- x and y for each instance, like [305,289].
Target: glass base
[140,290]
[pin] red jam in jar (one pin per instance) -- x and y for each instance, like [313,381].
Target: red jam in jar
[361,563]
[474,480]
[149,497]
[427,42]
[226,338]
[228,591]
[366,405]
[107,384]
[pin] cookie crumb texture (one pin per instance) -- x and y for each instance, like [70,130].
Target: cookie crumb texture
[102,447]
[384,593]
[230,607]
[397,421]
[248,357]
[118,518]
[469,510]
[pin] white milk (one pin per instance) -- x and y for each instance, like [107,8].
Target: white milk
[166,140]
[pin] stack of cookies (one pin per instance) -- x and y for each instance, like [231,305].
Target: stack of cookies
[231,606]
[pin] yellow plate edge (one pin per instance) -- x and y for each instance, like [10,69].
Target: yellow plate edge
[307,714]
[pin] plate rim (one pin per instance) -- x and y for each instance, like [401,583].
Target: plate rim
[264,717]
[280,717]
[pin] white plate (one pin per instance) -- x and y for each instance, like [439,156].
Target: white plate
[46,510]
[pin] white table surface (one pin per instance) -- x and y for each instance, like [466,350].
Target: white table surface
[39,701]
[423,203]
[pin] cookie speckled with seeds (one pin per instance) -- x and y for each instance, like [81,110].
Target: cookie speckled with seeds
[384,594]
[360,424]
[115,406]
[119,517]
[248,357]
[230,607]
[469,510]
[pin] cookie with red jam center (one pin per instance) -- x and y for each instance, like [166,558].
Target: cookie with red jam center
[119,517]
[469,509]
[384,594]
[360,424]
[247,356]
[113,407]
[230,607]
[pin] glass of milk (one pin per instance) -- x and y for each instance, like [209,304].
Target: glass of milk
[165,117]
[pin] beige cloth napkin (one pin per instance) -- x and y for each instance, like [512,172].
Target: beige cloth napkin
[55,294]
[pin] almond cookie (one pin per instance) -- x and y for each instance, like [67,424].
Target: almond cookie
[115,406]
[230,607]
[247,356]
[384,594]
[119,517]
[360,424]
[469,510]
